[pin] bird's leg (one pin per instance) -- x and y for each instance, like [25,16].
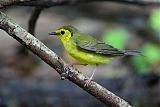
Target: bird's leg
[65,74]
[79,64]
[91,77]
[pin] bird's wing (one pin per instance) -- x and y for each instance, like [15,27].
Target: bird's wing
[89,43]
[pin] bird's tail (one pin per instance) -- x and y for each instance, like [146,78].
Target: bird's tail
[132,52]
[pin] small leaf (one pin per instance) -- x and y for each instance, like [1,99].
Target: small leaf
[151,56]
[154,19]
[116,37]
[140,64]
[151,51]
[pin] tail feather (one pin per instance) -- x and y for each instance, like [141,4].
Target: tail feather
[132,52]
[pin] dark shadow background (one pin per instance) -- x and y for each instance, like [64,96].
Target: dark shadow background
[26,81]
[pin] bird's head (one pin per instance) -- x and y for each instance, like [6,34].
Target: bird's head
[65,32]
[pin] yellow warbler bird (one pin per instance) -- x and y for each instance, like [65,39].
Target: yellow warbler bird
[86,48]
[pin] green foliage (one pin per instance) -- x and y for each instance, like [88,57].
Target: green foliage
[154,19]
[117,37]
[151,56]
[151,52]
[140,64]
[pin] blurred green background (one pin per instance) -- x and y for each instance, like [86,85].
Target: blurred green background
[26,81]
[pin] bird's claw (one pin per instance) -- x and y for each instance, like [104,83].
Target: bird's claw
[87,82]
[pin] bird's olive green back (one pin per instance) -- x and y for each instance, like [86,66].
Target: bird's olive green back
[89,43]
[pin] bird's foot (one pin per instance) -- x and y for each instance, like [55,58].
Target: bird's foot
[90,79]
[66,72]
[79,64]
[87,82]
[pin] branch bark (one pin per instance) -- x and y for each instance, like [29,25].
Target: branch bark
[49,3]
[48,56]
[31,28]
[4,3]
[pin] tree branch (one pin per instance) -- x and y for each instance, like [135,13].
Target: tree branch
[49,3]
[31,28]
[4,3]
[58,64]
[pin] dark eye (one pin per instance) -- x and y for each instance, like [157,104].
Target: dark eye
[62,32]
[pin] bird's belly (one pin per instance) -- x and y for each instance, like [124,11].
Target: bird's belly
[87,57]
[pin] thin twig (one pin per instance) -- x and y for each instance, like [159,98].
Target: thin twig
[4,3]
[58,64]
[49,3]
[33,20]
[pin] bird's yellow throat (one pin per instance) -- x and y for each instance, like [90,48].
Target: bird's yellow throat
[63,34]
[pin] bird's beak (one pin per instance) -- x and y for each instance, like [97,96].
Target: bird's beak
[52,33]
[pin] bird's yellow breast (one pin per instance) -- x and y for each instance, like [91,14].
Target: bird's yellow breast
[82,55]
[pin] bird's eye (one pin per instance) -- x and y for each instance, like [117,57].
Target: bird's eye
[62,32]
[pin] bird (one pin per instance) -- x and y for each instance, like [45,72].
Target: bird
[87,49]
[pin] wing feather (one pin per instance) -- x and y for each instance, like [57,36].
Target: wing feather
[91,44]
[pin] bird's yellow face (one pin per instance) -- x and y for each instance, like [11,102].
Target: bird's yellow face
[63,34]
